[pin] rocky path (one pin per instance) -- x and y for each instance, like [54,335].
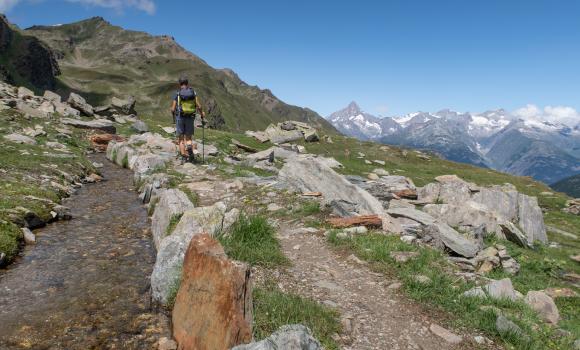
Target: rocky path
[85,284]
[374,315]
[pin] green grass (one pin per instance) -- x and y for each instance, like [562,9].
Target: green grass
[273,308]
[174,288]
[252,239]
[444,291]
[193,197]
[172,223]
[308,208]
[10,237]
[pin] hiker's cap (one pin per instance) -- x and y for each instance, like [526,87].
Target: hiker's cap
[183,80]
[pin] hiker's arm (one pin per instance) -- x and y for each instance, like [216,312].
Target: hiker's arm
[198,105]
[173,105]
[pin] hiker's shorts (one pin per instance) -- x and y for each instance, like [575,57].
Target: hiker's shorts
[184,125]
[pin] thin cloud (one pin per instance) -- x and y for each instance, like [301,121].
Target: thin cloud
[7,5]
[147,6]
[555,114]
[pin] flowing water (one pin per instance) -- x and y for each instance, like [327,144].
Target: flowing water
[85,284]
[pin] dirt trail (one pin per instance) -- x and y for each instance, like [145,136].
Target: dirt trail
[376,317]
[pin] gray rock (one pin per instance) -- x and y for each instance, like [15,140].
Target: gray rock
[310,174]
[147,163]
[413,214]
[289,337]
[97,124]
[429,193]
[311,136]
[126,106]
[277,135]
[29,237]
[51,96]
[445,334]
[502,200]
[172,202]
[531,219]
[24,92]
[140,126]
[171,251]
[21,139]
[288,126]
[500,289]
[78,102]
[544,305]
[65,110]
[505,326]
[469,215]
[512,233]
[452,239]
[476,292]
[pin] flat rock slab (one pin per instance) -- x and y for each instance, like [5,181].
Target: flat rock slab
[445,334]
[97,124]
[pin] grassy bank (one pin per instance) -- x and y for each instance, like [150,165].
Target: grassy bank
[33,177]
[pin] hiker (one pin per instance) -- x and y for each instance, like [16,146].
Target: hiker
[183,108]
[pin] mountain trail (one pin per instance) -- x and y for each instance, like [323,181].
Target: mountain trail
[374,315]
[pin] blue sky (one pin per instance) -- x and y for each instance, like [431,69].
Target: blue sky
[393,57]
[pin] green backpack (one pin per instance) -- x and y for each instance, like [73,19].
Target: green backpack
[187,102]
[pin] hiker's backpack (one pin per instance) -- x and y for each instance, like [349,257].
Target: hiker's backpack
[186,101]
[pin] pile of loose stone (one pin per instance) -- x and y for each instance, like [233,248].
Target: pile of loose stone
[285,132]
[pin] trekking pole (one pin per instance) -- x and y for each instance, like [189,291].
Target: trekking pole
[202,140]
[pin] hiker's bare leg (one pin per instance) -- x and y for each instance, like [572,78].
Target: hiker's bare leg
[182,145]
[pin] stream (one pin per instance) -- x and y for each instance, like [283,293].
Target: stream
[85,283]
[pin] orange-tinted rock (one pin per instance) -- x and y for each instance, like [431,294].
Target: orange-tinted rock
[363,220]
[407,193]
[100,141]
[213,308]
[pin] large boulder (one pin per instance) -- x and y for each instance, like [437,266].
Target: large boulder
[452,239]
[277,135]
[97,124]
[469,215]
[78,102]
[51,96]
[288,337]
[531,219]
[171,250]
[310,174]
[213,307]
[502,200]
[171,203]
[125,106]
[544,305]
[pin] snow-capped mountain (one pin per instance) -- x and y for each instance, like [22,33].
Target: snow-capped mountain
[354,122]
[547,151]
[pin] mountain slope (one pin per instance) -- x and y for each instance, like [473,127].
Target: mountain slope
[569,185]
[25,60]
[99,60]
